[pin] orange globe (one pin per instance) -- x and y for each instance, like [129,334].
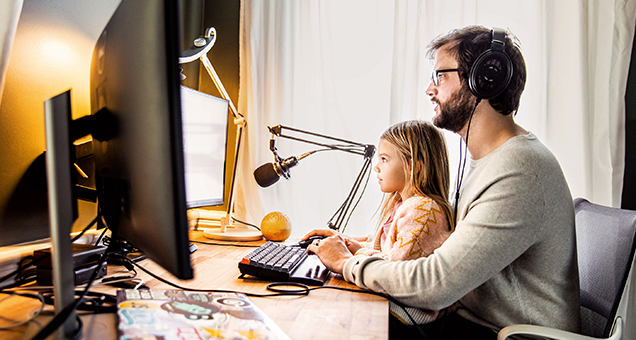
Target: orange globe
[275,226]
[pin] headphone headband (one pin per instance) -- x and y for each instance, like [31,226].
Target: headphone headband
[498,42]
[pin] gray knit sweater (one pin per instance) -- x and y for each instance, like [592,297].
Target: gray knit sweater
[512,258]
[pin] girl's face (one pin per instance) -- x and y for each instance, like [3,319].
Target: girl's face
[391,169]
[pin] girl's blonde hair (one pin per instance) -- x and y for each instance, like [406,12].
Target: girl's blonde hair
[422,149]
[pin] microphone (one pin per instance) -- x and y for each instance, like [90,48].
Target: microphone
[269,173]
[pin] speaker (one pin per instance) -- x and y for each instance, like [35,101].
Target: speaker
[491,72]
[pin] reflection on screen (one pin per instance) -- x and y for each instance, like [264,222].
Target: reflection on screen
[204,143]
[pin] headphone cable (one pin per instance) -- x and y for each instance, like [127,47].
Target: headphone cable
[462,162]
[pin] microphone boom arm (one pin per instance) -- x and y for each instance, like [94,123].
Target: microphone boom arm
[341,217]
[351,147]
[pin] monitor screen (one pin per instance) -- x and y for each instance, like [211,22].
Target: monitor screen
[205,120]
[138,152]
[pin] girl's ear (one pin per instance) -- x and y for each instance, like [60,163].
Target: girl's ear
[418,167]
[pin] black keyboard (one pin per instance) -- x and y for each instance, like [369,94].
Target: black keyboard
[278,262]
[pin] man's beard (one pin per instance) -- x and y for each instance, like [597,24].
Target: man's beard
[455,112]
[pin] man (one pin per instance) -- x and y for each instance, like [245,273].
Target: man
[512,258]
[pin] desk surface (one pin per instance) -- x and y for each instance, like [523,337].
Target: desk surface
[324,314]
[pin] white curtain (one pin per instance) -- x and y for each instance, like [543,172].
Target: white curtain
[9,15]
[351,68]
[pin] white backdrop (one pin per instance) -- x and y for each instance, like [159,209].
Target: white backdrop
[351,68]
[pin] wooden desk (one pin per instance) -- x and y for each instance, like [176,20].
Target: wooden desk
[324,314]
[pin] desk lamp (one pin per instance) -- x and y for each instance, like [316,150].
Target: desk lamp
[227,229]
[269,173]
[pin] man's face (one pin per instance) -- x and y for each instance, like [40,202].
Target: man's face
[453,103]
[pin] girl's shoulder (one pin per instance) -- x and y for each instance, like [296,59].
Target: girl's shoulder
[417,203]
[422,210]
[417,200]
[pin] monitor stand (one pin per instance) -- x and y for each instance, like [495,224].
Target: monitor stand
[62,204]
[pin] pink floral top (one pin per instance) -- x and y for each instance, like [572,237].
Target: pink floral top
[416,228]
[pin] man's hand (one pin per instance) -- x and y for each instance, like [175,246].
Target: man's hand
[332,251]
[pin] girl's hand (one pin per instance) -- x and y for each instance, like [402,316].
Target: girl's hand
[352,245]
[350,242]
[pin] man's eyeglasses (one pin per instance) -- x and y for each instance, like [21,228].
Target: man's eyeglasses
[435,76]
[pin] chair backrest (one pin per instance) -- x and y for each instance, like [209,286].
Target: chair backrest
[605,246]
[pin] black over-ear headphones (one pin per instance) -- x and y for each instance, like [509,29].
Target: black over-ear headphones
[491,72]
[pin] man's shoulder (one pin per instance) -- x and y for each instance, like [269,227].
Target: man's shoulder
[526,167]
[524,153]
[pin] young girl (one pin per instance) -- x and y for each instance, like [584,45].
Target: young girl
[413,171]
[415,217]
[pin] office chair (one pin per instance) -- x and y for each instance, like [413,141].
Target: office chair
[605,247]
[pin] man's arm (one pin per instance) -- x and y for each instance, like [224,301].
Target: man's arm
[499,226]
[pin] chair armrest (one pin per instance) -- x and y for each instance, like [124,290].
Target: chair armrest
[556,333]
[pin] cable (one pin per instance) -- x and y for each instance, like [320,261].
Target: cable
[97,303]
[462,163]
[85,229]
[101,236]
[20,279]
[21,267]
[228,244]
[201,290]
[37,310]
[61,317]
[303,290]
[246,223]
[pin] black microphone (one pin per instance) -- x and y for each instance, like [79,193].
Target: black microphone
[269,173]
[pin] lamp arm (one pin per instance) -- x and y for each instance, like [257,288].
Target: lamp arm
[201,46]
[215,78]
[199,50]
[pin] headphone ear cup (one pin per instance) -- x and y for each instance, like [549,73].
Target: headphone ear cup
[490,74]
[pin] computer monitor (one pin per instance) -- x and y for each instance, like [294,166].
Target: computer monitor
[205,126]
[138,141]
[138,149]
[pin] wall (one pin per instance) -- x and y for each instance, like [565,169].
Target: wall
[51,53]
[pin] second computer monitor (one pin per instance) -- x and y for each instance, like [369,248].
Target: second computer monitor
[205,120]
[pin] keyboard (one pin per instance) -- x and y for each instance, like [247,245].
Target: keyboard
[279,262]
